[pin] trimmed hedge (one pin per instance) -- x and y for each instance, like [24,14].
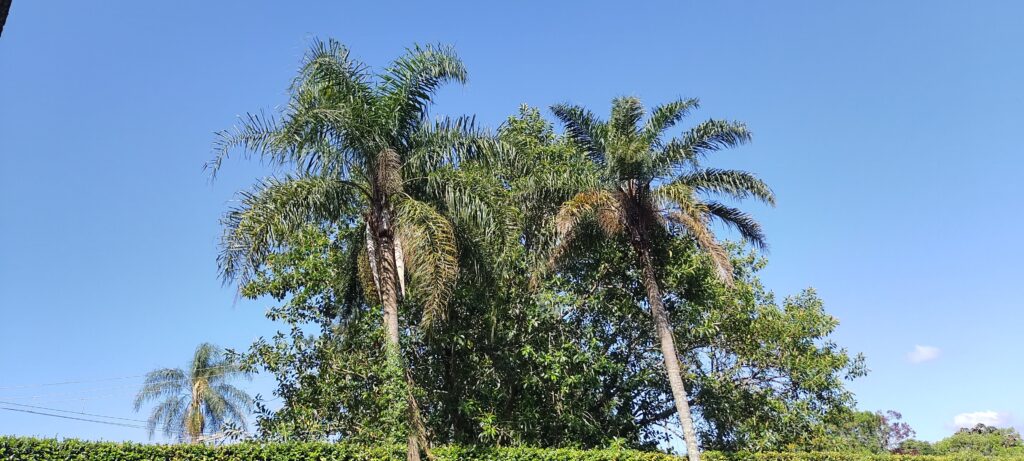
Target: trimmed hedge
[31,449]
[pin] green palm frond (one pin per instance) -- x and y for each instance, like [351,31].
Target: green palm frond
[746,225]
[329,64]
[709,136]
[665,117]
[160,384]
[449,142]
[584,129]
[168,415]
[626,115]
[276,209]
[409,83]
[428,241]
[474,199]
[254,133]
[733,183]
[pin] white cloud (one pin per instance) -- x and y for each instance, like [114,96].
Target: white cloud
[923,354]
[989,418]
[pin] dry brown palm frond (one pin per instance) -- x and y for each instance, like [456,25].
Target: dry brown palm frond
[696,226]
[599,203]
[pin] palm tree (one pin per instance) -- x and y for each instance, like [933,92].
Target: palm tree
[195,402]
[365,154]
[649,188]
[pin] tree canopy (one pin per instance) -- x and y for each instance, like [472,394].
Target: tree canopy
[528,355]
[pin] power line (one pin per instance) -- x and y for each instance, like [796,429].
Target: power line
[62,383]
[90,390]
[32,386]
[71,412]
[112,423]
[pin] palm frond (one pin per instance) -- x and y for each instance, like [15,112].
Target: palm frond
[224,403]
[275,210]
[449,142]
[689,214]
[665,117]
[746,225]
[330,64]
[409,83]
[169,416]
[697,142]
[626,115]
[474,199]
[733,183]
[599,204]
[254,133]
[162,383]
[584,129]
[693,222]
[204,359]
[428,240]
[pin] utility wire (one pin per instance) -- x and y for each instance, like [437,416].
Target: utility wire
[71,412]
[88,391]
[112,423]
[30,386]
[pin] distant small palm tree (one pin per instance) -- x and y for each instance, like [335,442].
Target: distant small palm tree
[196,402]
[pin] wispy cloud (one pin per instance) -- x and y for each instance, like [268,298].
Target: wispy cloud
[990,418]
[923,354]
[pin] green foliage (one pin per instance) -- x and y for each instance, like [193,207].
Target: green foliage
[982,439]
[567,359]
[31,449]
[915,447]
[332,370]
[444,232]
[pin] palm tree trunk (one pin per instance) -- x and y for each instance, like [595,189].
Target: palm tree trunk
[663,329]
[389,285]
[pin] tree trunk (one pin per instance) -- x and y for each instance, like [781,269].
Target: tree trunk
[389,290]
[195,423]
[668,350]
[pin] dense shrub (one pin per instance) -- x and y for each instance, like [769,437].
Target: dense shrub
[31,449]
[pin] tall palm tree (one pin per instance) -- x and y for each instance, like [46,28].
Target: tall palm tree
[195,402]
[365,154]
[650,188]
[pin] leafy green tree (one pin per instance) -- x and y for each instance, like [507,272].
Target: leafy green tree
[983,440]
[198,401]
[569,360]
[651,189]
[364,153]
[863,431]
[915,447]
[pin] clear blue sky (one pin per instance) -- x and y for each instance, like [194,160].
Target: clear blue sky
[886,128]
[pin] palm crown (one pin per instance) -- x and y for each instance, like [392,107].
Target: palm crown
[644,184]
[196,401]
[364,153]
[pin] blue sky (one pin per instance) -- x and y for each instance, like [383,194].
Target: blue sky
[886,128]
